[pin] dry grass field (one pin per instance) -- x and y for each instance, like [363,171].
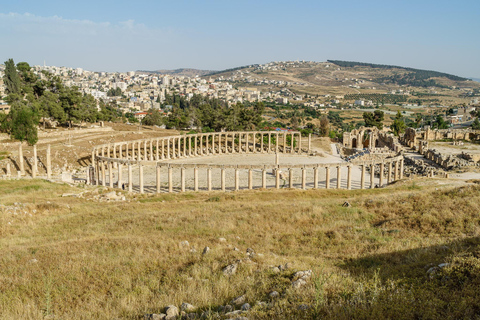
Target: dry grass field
[78,258]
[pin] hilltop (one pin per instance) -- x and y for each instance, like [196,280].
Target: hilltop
[336,77]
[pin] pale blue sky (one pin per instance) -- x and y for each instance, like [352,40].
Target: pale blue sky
[146,34]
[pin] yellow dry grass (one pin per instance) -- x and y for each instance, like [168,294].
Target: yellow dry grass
[71,258]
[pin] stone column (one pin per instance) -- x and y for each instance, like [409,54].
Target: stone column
[237,180]
[139,150]
[108,150]
[110,174]
[195,151]
[299,143]
[189,145]
[103,151]
[290,178]
[182,177]
[170,179]
[396,171]
[157,151]
[254,142]
[140,177]
[163,149]
[389,177]
[264,178]
[151,149]
[247,149]
[304,178]
[339,177]
[349,177]
[222,173]
[276,142]
[240,150]
[269,142]
[174,155]
[292,150]
[250,179]
[327,177]
[284,142]
[9,170]
[372,176]
[261,143]
[209,178]
[401,168]
[201,145]
[158,179]
[185,146]
[362,179]
[130,178]
[382,168]
[20,159]
[179,146]
[213,143]
[195,179]
[104,179]
[35,162]
[49,163]
[168,148]
[277,178]
[315,177]
[309,142]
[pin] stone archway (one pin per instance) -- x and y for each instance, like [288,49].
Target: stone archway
[354,143]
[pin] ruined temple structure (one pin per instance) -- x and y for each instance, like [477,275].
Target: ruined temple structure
[418,139]
[370,138]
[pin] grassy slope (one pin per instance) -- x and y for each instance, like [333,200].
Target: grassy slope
[122,260]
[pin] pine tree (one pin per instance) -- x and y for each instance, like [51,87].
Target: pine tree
[11,78]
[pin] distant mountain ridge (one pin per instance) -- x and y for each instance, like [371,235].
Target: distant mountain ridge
[186,72]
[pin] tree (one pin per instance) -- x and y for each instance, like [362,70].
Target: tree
[11,78]
[153,118]
[374,119]
[324,126]
[21,124]
[476,124]
[398,125]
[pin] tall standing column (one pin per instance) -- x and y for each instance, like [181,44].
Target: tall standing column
[254,142]
[264,178]
[110,174]
[349,177]
[209,178]
[174,154]
[195,179]
[396,170]
[339,177]
[327,177]
[315,177]
[140,150]
[49,163]
[185,146]
[284,142]
[292,150]
[261,143]
[140,177]
[362,179]
[290,178]
[201,145]
[130,178]
[195,145]
[237,179]
[20,159]
[151,150]
[222,174]
[276,142]
[309,142]
[401,168]
[104,179]
[182,178]
[157,151]
[389,177]
[299,143]
[304,178]
[269,142]
[170,179]
[240,149]
[277,178]
[35,162]
[250,179]
[163,149]
[158,179]
[372,176]
[247,144]
[168,148]
[189,145]
[382,169]
[179,146]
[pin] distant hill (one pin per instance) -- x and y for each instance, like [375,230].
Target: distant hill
[409,76]
[186,72]
[476,79]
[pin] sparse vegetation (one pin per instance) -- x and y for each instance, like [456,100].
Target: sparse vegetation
[66,257]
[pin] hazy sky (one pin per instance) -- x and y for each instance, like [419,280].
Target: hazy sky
[441,35]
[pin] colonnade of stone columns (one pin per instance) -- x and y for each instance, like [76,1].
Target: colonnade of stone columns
[34,164]
[191,145]
[388,171]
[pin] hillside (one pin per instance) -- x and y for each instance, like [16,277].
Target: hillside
[186,72]
[67,254]
[341,77]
